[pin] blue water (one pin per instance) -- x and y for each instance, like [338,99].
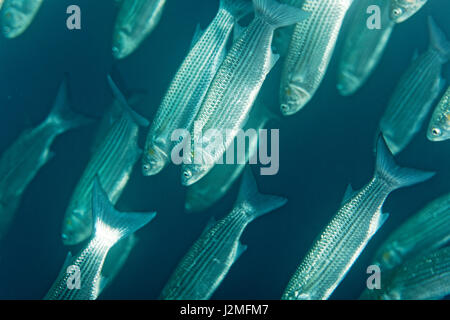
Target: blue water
[323,148]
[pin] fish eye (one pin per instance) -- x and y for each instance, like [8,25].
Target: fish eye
[436,132]
[397,12]
[187,174]
[146,167]
[115,50]
[284,107]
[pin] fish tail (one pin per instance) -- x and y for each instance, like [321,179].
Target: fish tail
[396,176]
[237,8]
[278,15]
[260,203]
[62,115]
[119,96]
[438,40]
[112,225]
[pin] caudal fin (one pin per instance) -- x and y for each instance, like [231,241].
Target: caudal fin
[278,15]
[111,225]
[396,176]
[238,8]
[118,95]
[62,115]
[438,40]
[260,203]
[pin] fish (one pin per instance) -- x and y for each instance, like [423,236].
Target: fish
[110,227]
[115,261]
[426,231]
[188,88]
[22,160]
[415,93]
[1,4]
[17,15]
[425,277]
[439,127]
[113,162]
[236,85]
[363,47]
[208,261]
[402,10]
[135,22]
[310,51]
[345,237]
[207,191]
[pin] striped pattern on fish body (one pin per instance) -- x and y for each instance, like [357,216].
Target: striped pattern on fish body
[113,162]
[363,47]
[110,227]
[187,90]
[207,191]
[345,237]
[237,83]
[439,128]
[17,15]
[208,261]
[412,99]
[136,20]
[310,52]
[426,231]
[420,278]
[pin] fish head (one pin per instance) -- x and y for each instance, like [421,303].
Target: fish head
[77,227]
[123,45]
[293,98]
[402,10]
[439,129]
[153,160]
[14,23]
[348,83]
[390,257]
[191,173]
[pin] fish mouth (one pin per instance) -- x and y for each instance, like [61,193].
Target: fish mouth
[348,83]
[154,161]
[122,46]
[295,98]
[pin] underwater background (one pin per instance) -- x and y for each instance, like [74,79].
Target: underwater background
[323,148]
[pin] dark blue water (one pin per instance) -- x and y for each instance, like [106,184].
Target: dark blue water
[323,148]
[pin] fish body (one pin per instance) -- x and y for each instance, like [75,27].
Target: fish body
[426,231]
[136,20]
[425,277]
[345,237]
[112,162]
[363,47]
[439,127]
[310,51]
[188,88]
[413,97]
[207,191]
[110,227]
[237,83]
[17,15]
[210,258]
[20,163]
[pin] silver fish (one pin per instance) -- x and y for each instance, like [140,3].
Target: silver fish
[402,10]
[110,227]
[20,163]
[188,88]
[113,162]
[136,20]
[363,47]
[210,258]
[17,15]
[345,237]
[310,52]
[237,83]
[414,95]
[115,261]
[425,277]
[426,231]
[207,191]
[439,127]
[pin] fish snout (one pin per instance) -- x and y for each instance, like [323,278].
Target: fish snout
[153,161]
[347,83]
[293,99]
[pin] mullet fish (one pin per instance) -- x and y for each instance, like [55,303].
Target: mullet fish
[345,237]
[439,127]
